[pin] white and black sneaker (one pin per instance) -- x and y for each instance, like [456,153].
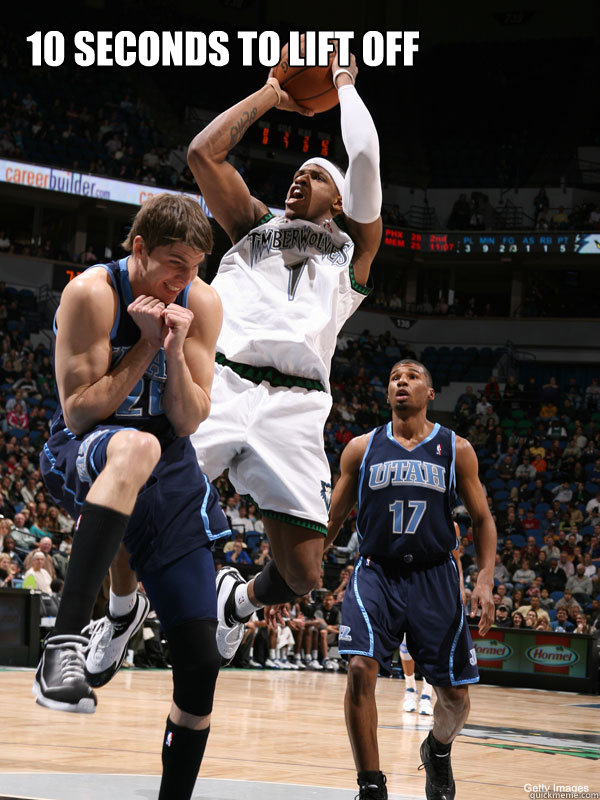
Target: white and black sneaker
[230,629]
[109,637]
[60,681]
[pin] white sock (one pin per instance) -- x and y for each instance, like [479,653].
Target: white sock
[410,681]
[251,652]
[130,656]
[426,689]
[272,654]
[121,606]
[243,606]
[315,655]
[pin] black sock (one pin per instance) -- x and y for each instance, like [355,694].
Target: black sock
[95,544]
[370,777]
[437,747]
[182,753]
[270,588]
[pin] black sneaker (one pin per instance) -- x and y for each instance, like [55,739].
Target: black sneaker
[439,782]
[373,791]
[60,681]
[109,638]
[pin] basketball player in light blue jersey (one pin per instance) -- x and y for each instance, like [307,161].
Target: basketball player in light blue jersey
[405,476]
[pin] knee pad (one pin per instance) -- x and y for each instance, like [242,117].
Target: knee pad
[195,661]
[404,654]
[270,588]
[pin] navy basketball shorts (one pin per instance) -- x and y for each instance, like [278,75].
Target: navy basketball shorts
[385,600]
[177,509]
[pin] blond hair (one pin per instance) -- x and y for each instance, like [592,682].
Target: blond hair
[165,219]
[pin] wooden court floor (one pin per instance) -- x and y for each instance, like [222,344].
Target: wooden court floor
[288,728]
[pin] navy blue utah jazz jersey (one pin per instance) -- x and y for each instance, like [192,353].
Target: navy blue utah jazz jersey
[405,497]
[143,408]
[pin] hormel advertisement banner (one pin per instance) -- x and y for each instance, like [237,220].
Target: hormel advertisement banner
[55,179]
[531,652]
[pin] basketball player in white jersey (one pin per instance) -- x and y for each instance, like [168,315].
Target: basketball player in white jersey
[287,285]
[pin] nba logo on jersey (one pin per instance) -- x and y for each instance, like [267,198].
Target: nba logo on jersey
[438,449]
[169,739]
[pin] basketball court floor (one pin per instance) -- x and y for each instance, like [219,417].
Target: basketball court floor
[281,736]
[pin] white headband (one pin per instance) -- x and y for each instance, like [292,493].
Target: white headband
[330,168]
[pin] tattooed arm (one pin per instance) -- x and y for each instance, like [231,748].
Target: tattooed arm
[223,188]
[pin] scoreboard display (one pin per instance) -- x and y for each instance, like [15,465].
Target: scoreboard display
[487,243]
[297,140]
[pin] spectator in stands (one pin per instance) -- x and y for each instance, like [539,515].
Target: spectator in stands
[560,220]
[17,418]
[590,570]
[592,395]
[581,624]
[546,602]
[237,537]
[501,574]
[540,203]
[44,547]
[237,555]
[512,393]
[550,392]
[563,492]
[467,398]
[329,618]
[562,624]
[534,605]
[506,470]
[517,620]
[523,576]
[525,471]
[550,547]
[9,547]
[581,586]
[42,577]
[23,539]
[502,617]
[263,554]
[568,602]
[492,390]
[565,563]
[460,215]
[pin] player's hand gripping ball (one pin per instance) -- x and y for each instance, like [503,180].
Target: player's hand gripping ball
[310,87]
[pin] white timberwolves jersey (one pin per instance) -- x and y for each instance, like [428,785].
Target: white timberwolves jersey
[287,288]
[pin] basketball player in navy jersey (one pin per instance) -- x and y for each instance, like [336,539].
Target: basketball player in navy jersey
[135,348]
[405,475]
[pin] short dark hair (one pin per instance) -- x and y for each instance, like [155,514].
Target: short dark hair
[428,377]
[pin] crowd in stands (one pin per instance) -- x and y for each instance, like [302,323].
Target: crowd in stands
[539,455]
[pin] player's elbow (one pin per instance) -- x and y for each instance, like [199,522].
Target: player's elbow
[200,152]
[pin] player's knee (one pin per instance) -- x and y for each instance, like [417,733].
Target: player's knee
[304,578]
[195,661]
[362,675]
[134,454]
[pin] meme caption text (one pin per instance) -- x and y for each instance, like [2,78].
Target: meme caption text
[197,48]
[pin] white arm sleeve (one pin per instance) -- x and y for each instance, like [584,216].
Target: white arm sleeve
[361,200]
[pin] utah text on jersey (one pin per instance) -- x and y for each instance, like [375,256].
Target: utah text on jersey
[407,472]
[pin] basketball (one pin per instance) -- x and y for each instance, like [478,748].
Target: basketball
[311,87]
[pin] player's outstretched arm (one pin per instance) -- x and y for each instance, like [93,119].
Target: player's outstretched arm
[89,390]
[222,186]
[361,201]
[345,492]
[485,537]
[190,347]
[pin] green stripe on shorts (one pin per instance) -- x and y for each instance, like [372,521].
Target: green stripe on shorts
[269,374]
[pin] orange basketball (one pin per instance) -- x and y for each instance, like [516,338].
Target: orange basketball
[311,87]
